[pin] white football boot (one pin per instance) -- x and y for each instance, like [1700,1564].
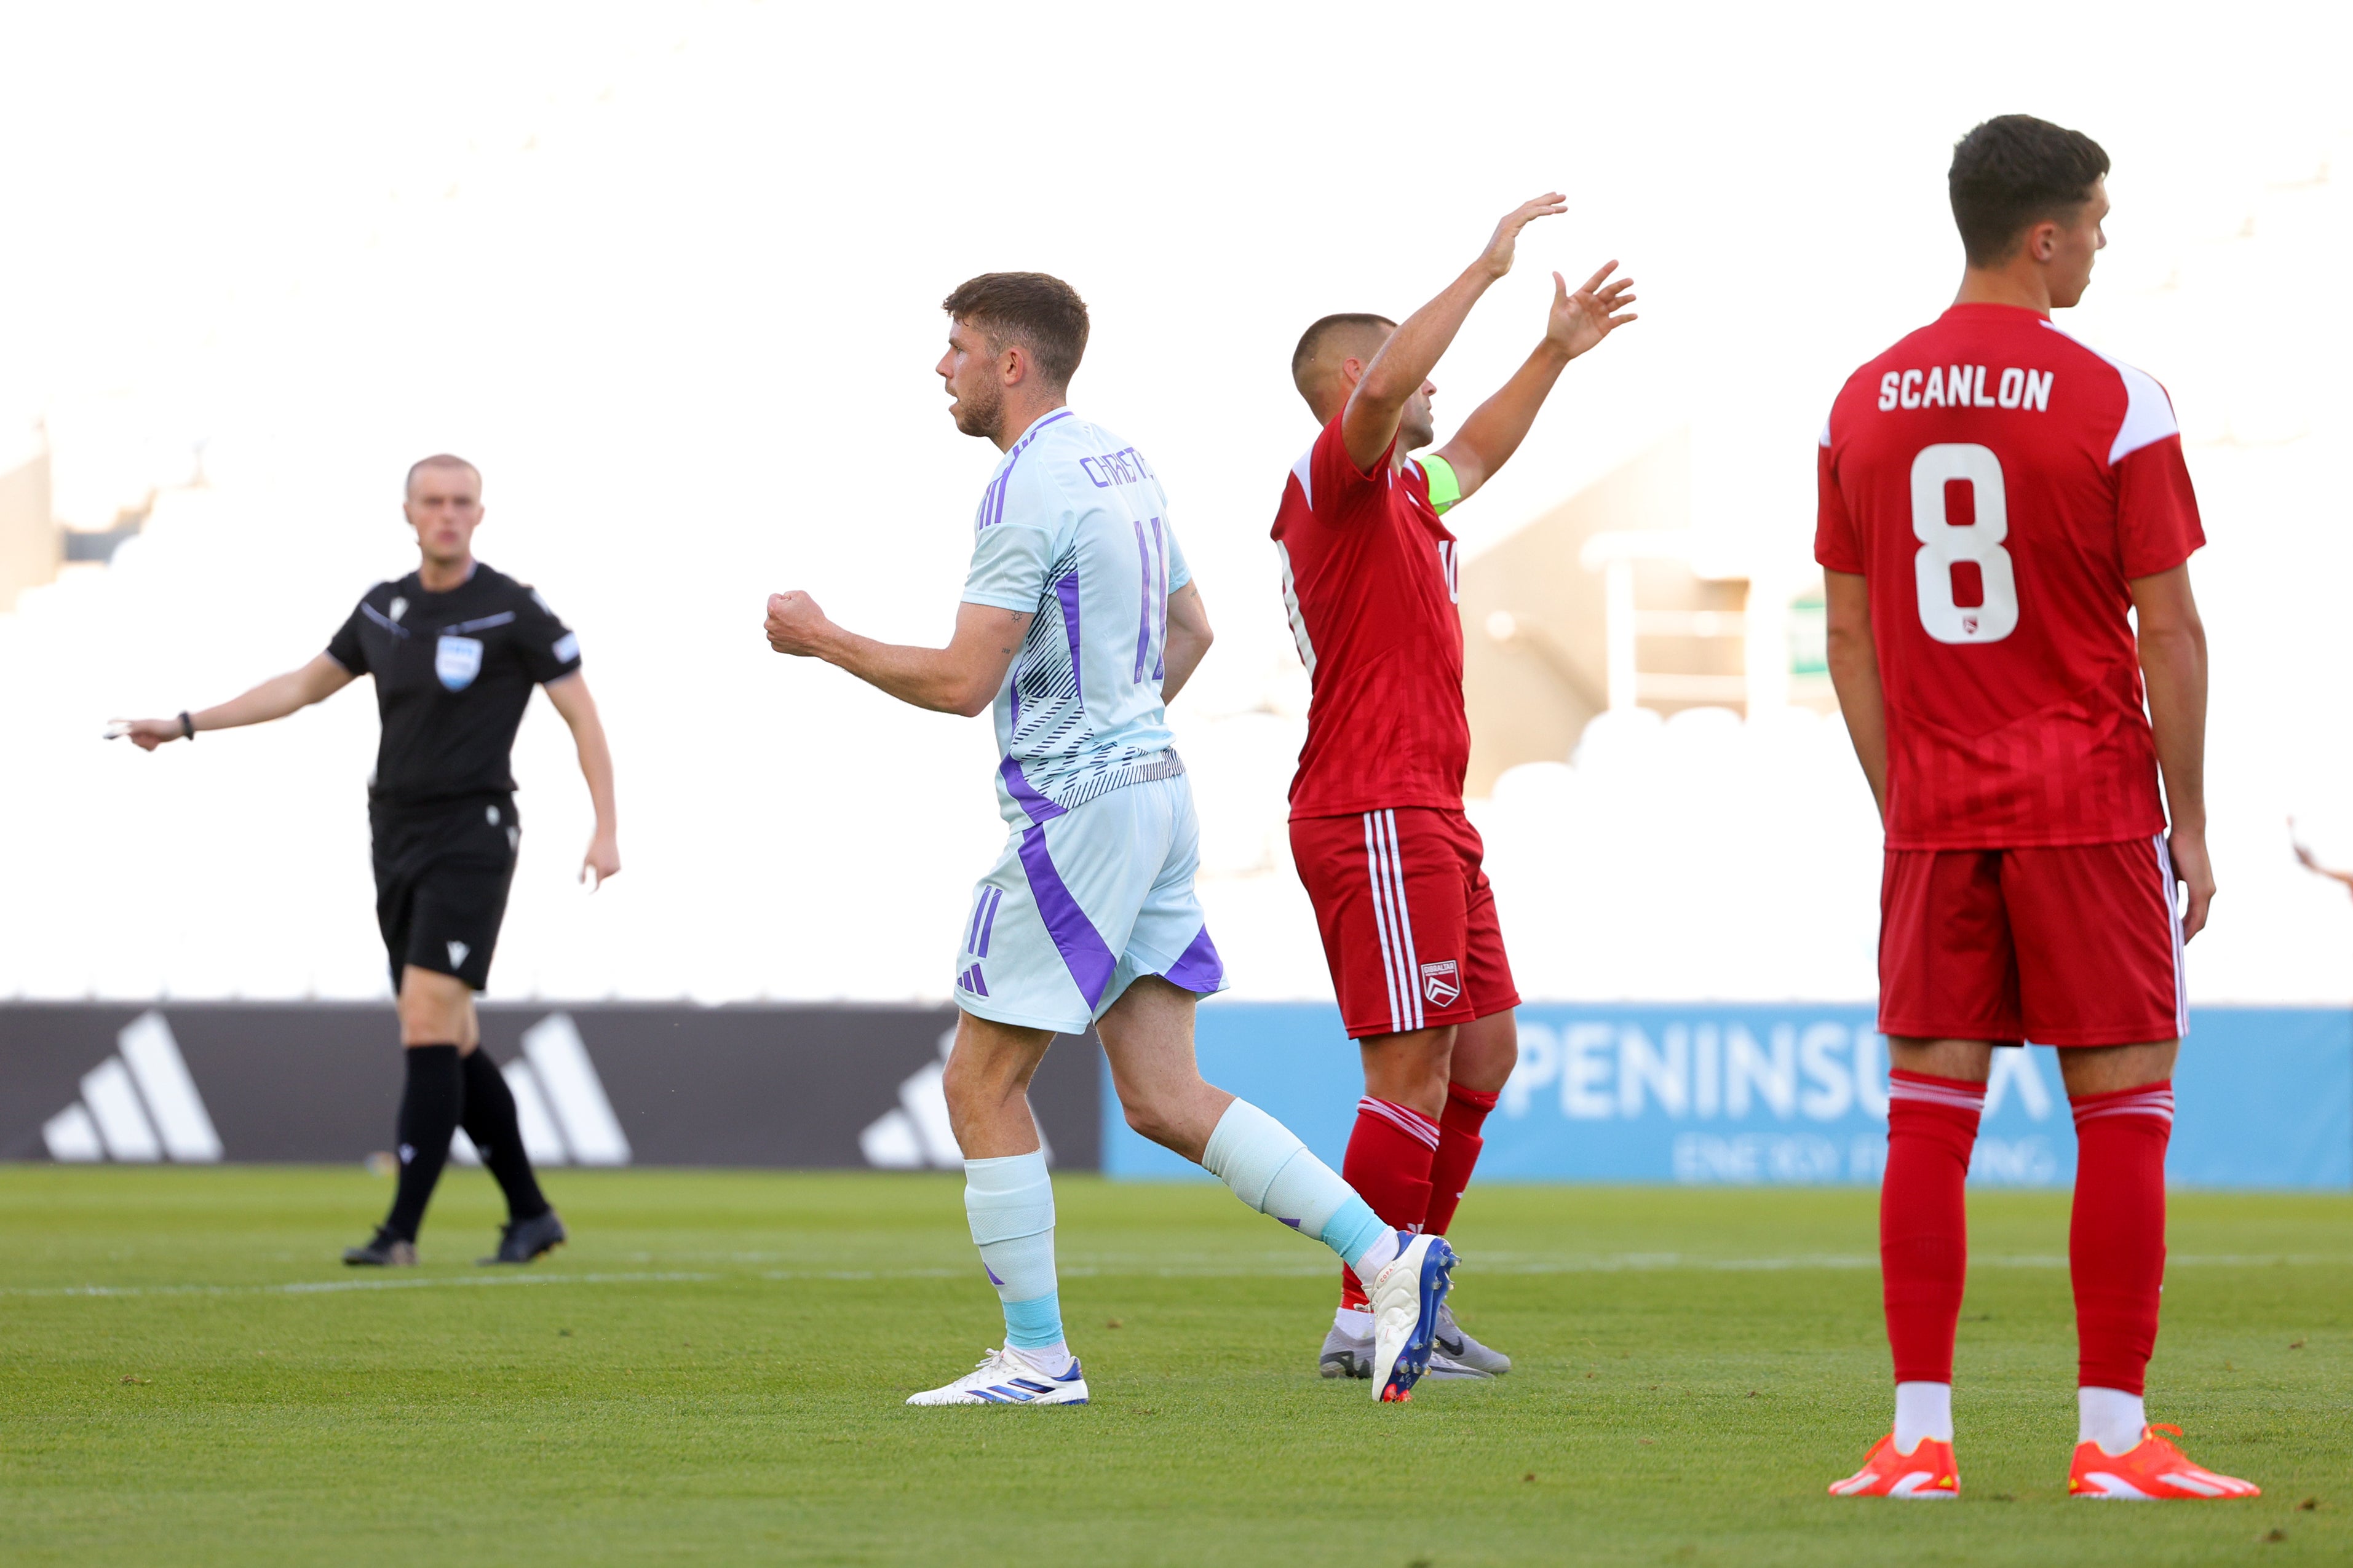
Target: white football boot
[1004,1376]
[1405,1298]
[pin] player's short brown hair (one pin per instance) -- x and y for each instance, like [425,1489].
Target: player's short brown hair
[439,461]
[1311,343]
[1040,312]
[2011,173]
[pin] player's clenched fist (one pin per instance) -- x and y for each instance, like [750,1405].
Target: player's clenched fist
[1498,256]
[794,625]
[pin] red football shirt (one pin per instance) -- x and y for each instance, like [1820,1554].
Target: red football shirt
[1369,579]
[2000,484]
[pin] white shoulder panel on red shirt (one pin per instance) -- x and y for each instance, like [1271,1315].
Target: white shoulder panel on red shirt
[2149,413]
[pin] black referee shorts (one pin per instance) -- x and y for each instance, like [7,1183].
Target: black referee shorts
[442,870]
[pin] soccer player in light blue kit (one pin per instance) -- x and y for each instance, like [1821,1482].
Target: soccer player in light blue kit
[1079,619]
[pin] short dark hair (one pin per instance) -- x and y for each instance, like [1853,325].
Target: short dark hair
[1311,342]
[2011,173]
[439,461]
[1042,314]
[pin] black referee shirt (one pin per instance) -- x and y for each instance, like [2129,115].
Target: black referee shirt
[453,674]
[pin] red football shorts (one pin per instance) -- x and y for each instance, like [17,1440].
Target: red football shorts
[1408,918]
[2071,946]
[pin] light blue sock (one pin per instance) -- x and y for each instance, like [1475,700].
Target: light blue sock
[1271,1170]
[1010,1202]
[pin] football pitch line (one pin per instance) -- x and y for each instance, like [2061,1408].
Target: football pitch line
[1648,1262]
[713,1371]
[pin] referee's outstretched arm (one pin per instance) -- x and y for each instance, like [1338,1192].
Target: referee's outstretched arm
[2311,862]
[298,688]
[571,700]
[323,678]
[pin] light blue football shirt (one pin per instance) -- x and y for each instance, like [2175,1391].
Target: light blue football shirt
[1074,526]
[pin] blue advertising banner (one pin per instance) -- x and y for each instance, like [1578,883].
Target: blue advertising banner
[1789,1094]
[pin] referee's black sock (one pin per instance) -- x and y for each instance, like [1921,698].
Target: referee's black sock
[491,1124]
[429,1107]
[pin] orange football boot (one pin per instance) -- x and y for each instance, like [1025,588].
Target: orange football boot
[2154,1470]
[1927,1472]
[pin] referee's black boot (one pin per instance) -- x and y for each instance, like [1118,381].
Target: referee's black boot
[386,1251]
[521,1241]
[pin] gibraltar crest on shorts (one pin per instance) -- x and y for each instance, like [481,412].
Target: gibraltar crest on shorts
[456,660]
[1441,983]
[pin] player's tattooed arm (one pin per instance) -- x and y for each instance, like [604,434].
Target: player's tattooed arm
[273,698]
[962,677]
[2173,669]
[1576,322]
[1402,366]
[1854,674]
[1189,638]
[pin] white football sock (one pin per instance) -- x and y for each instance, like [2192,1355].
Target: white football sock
[1010,1203]
[1270,1169]
[1922,1410]
[2110,1418]
[1356,1321]
[1379,1255]
[1053,1360]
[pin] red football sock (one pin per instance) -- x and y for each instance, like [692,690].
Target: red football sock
[1458,1151]
[2116,1245]
[1924,1228]
[1388,1164]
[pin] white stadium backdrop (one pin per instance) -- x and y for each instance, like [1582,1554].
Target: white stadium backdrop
[689,345]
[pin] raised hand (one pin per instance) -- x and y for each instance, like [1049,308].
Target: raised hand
[1498,256]
[1583,319]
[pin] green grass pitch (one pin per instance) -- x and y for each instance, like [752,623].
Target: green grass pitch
[713,1370]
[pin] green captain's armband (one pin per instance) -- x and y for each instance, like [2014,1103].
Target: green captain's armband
[1445,489]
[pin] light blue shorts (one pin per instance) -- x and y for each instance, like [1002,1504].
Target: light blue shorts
[1077,908]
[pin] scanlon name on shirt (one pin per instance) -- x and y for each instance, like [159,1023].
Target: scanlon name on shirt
[1964,386]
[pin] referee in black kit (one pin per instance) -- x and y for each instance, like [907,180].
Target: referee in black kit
[455,648]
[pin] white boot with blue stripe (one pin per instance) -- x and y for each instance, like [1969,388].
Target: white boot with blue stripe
[1008,1377]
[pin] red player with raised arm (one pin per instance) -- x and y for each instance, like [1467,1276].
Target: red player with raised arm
[1997,501]
[1377,823]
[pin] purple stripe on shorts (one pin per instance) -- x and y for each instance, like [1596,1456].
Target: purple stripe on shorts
[1200,970]
[1040,808]
[988,922]
[1067,590]
[1083,948]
